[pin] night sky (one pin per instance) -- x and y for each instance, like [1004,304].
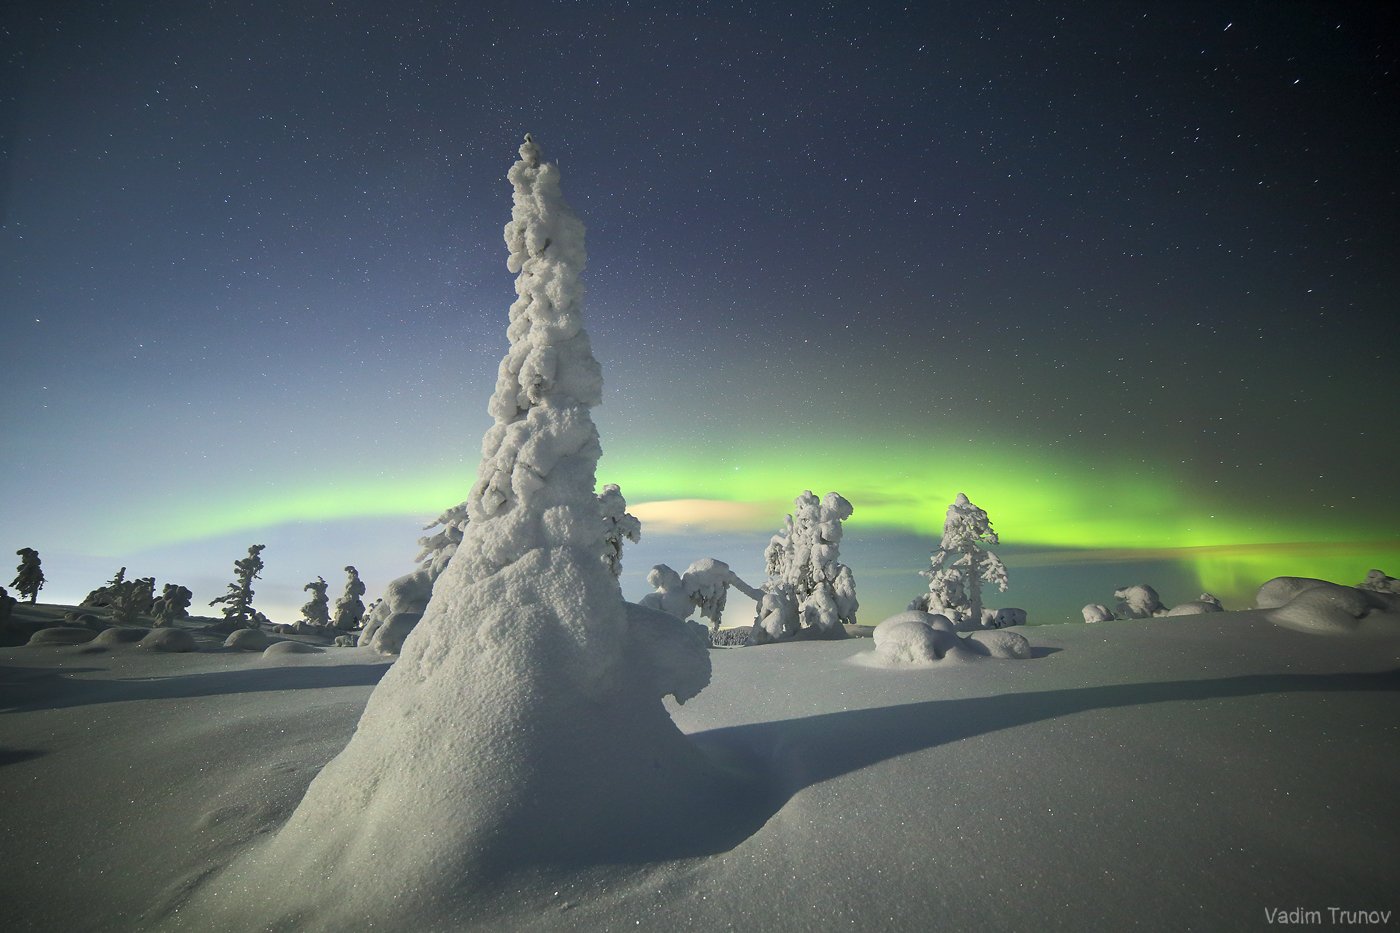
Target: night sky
[1126,273]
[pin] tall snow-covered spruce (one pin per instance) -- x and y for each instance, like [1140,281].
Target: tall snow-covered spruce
[522,729]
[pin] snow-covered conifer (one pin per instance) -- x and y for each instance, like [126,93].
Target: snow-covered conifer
[102,597]
[618,524]
[172,604]
[29,579]
[316,611]
[961,565]
[238,601]
[349,608]
[807,583]
[523,719]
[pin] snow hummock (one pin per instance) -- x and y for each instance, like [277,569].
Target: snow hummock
[915,638]
[522,729]
[1328,608]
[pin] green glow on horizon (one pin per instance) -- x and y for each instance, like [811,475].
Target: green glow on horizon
[1118,510]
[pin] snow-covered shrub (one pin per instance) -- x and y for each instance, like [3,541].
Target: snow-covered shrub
[803,568]
[961,565]
[1097,612]
[349,608]
[618,524]
[1138,602]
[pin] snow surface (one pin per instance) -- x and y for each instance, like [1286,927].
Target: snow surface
[1160,774]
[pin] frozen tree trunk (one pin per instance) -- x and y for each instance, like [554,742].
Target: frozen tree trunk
[522,729]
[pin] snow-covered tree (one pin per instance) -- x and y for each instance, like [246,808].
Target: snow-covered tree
[102,597]
[669,594]
[172,604]
[349,608]
[238,601]
[435,550]
[808,587]
[127,599]
[29,579]
[961,565]
[143,594]
[316,611]
[524,716]
[618,524]
[704,586]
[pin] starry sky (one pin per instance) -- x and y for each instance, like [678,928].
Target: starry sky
[1125,273]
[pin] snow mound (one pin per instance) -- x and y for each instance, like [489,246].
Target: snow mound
[1330,608]
[247,639]
[61,635]
[119,635]
[1000,644]
[1138,602]
[1195,607]
[1097,612]
[168,639]
[283,648]
[1280,590]
[906,640]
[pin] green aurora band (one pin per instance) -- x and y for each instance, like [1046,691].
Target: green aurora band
[1102,511]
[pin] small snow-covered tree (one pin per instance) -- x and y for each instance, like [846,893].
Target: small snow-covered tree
[144,594]
[349,608]
[704,586]
[317,609]
[961,565]
[126,598]
[103,595]
[238,601]
[172,604]
[669,594]
[29,579]
[618,524]
[807,585]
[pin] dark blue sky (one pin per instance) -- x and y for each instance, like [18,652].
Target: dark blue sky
[1145,253]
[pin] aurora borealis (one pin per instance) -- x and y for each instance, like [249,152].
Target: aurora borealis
[1124,273]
